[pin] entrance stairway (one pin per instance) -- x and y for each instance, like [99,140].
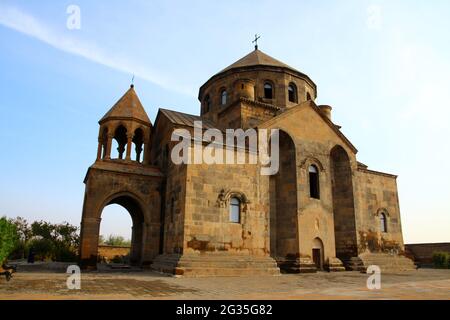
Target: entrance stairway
[215,264]
[388,263]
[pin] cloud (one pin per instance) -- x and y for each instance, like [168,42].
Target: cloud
[22,22]
[374,18]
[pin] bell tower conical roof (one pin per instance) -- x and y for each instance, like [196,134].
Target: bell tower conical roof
[129,107]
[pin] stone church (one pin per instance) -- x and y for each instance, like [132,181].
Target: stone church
[323,210]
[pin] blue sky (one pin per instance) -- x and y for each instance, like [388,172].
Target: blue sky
[383,65]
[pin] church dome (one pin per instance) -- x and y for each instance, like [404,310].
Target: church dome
[258,58]
[256,77]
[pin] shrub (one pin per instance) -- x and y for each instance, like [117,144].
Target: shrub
[116,241]
[8,239]
[441,260]
[19,251]
[43,249]
[65,253]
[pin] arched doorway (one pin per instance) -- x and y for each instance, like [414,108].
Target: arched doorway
[115,231]
[317,253]
[283,203]
[137,216]
[343,205]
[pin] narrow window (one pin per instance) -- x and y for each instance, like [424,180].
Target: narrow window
[314,189]
[223,96]
[235,210]
[292,93]
[383,223]
[207,104]
[268,91]
[308,96]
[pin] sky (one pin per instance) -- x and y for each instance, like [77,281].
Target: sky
[383,66]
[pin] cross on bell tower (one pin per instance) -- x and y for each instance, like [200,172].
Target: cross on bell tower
[256,41]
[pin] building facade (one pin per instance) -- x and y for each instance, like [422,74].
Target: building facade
[322,210]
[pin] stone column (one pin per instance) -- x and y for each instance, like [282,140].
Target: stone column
[90,228]
[108,147]
[146,151]
[99,149]
[129,145]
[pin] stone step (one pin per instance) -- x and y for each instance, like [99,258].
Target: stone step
[226,272]
[387,262]
[215,265]
[226,264]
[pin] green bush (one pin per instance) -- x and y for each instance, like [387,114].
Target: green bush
[19,251]
[64,253]
[43,249]
[113,240]
[8,239]
[57,242]
[441,260]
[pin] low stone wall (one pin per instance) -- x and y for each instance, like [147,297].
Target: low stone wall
[109,252]
[423,252]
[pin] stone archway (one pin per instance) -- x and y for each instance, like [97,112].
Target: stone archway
[137,217]
[283,204]
[343,205]
[90,229]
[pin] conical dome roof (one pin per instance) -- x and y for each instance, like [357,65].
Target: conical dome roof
[253,61]
[257,58]
[128,107]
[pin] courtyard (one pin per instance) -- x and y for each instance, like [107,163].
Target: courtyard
[421,284]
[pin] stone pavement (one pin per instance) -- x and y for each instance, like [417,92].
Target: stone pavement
[421,284]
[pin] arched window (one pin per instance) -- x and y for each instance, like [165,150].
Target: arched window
[383,223]
[207,104]
[120,142]
[223,97]
[292,93]
[235,210]
[308,96]
[268,90]
[314,188]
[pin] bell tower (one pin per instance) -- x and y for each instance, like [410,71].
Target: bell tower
[122,175]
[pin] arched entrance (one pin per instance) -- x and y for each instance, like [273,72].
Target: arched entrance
[343,205]
[132,206]
[317,253]
[283,203]
[90,227]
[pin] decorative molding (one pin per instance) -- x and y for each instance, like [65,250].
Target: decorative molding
[380,211]
[225,196]
[307,161]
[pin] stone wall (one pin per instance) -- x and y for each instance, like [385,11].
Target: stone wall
[376,194]
[207,214]
[423,252]
[313,140]
[108,253]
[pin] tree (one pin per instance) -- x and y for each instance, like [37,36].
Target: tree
[8,239]
[24,234]
[23,228]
